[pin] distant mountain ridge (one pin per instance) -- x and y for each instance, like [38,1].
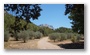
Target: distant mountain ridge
[46,25]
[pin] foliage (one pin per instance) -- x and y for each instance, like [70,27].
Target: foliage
[8,21]
[31,34]
[9,25]
[63,30]
[16,36]
[69,35]
[32,27]
[75,38]
[53,36]
[63,36]
[58,36]
[45,30]
[38,35]
[24,35]
[22,11]
[26,11]
[6,36]
[76,12]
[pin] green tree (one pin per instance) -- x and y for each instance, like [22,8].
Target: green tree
[76,14]
[63,30]
[53,36]
[45,30]
[24,11]
[8,21]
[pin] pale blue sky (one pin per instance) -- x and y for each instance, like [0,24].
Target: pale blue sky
[53,14]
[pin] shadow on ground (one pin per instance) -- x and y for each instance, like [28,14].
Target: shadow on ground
[79,45]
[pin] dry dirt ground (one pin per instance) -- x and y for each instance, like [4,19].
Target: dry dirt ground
[44,44]
[11,44]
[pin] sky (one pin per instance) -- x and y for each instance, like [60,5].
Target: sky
[53,14]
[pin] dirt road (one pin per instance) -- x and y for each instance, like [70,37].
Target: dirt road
[44,44]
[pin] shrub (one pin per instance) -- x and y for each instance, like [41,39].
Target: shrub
[53,36]
[63,36]
[69,35]
[31,34]
[38,35]
[19,35]
[24,35]
[58,36]
[16,36]
[6,36]
[78,37]
[75,38]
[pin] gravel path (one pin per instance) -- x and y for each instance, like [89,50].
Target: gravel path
[44,44]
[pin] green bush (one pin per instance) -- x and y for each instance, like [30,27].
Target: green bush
[23,35]
[19,35]
[6,36]
[31,34]
[63,36]
[69,35]
[16,36]
[38,35]
[75,38]
[53,36]
[58,37]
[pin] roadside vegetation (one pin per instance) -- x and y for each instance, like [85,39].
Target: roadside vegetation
[74,37]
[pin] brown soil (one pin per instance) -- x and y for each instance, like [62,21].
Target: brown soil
[12,44]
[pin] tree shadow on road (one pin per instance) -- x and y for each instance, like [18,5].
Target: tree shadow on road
[79,45]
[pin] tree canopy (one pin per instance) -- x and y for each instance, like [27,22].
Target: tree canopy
[25,11]
[63,30]
[76,14]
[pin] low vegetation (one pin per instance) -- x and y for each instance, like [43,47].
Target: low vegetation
[74,37]
[24,36]
[38,35]
[31,34]
[6,36]
[27,35]
[53,36]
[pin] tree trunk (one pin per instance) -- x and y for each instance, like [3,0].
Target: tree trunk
[16,38]
[54,40]
[24,41]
